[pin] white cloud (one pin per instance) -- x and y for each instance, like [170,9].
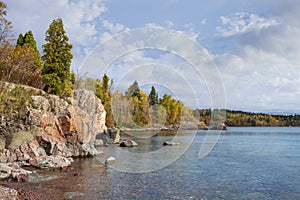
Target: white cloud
[261,70]
[203,21]
[241,22]
[259,80]
[169,24]
[114,28]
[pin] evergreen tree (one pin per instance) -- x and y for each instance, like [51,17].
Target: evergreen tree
[5,25]
[28,41]
[106,100]
[105,87]
[57,60]
[153,97]
[133,91]
[20,40]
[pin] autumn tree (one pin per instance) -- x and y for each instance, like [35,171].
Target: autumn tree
[120,110]
[27,41]
[139,107]
[173,109]
[57,61]
[5,25]
[17,65]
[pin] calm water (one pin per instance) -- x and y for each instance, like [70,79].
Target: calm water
[246,163]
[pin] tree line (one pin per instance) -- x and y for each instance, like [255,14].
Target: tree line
[135,108]
[22,63]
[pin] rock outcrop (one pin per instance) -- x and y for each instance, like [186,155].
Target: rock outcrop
[51,126]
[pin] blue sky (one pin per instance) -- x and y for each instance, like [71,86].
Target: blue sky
[254,44]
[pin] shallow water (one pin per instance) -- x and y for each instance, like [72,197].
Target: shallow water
[246,163]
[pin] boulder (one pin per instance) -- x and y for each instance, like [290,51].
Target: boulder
[117,137]
[128,143]
[98,142]
[114,135]
[50,162]
[90,149]
[110,159]
[167,143]
[202,126]
[14,171]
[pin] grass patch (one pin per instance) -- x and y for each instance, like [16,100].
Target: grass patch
[14,98]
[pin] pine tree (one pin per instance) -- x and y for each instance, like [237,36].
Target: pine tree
[57,60]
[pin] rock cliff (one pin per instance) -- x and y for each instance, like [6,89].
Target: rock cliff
[46,125]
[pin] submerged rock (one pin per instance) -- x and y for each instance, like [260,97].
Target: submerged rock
[110,160]
[128,143]
[167,143]
[98,142]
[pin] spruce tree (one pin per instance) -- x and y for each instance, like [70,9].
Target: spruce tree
[153,97]
[28,41]
[57,61]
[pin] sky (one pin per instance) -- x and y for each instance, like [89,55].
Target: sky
[247,57]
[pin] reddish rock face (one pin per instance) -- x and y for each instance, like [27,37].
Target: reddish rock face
[63,128]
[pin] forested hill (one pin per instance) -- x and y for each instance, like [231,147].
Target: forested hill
[241,118]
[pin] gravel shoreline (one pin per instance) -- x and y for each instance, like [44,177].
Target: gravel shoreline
[23,190]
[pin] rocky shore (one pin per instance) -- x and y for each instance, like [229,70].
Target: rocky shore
[47,131]
[184,125]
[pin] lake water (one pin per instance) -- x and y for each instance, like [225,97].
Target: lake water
[246,163]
